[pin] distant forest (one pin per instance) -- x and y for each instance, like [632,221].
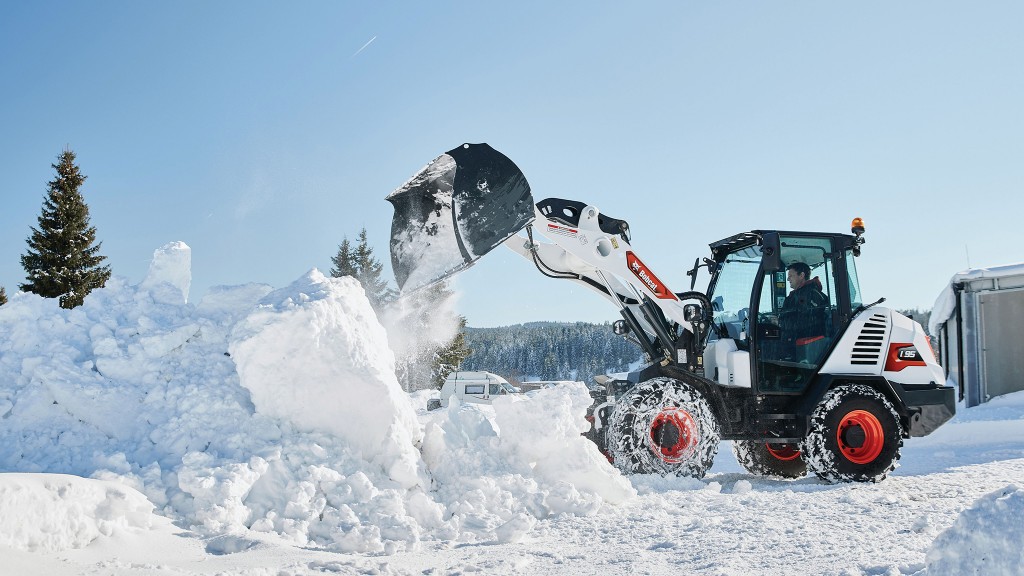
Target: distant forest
[549,351]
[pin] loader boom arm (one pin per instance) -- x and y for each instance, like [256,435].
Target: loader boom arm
[581,247]
[473,198]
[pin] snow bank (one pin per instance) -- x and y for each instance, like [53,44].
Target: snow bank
[987,538]
[499,468]
[170,273]
[313,353]
[54,512]
[277,412]
[545,431]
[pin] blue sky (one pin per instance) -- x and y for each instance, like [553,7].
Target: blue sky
[262,133]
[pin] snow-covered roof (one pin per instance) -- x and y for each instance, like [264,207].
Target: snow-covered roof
[945,304]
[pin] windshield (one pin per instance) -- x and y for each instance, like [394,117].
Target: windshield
[730,297]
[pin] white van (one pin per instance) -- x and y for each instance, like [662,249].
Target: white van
[475,387]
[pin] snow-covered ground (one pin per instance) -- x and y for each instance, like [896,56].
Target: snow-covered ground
[263,432]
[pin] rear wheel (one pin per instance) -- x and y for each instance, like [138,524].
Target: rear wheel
[855,435]
[783,460]
[663,426]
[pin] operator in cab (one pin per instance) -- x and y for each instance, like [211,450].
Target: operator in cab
[802,318]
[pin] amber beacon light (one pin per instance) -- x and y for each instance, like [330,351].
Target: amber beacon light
[857,226]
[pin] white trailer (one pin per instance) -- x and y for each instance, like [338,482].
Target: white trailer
[476,387]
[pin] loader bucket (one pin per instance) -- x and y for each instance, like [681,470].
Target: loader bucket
[453,211]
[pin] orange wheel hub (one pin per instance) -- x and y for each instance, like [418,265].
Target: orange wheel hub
[860,437]
[674,434]
[784,452]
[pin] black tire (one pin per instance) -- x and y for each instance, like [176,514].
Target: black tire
[855,435]
[598,413]
[663,426]
[782,460]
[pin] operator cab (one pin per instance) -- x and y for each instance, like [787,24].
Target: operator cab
[766,334]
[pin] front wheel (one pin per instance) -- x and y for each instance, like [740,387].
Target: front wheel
[855,435]
[783,460]
[663,426]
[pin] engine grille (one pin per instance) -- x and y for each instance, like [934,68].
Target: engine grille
[867,350]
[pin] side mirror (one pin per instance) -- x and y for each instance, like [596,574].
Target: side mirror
[771,256]
[693,313]
[620,327]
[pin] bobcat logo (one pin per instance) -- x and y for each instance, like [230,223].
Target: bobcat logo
[640,270]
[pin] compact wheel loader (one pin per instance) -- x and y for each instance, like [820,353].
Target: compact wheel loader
[834,393]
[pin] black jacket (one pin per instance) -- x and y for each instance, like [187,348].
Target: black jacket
[803,312]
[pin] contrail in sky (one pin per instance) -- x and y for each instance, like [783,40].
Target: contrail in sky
[364,47]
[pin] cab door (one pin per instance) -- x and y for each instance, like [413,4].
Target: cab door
[795,326]
[726,353]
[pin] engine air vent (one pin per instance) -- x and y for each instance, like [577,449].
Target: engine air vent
[867,350]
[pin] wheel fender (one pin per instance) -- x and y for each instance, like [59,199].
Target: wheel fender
[712,393]
[825,382]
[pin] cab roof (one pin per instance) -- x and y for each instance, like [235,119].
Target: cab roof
[753,238]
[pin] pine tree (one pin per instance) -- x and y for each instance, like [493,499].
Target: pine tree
[344,261]
[448,358]
[61,261]
[368,270]
[3,296]
[360,263]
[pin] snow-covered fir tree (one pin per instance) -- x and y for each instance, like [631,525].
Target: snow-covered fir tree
[62,260]
[449,358]
[369,271]
[3,296]
[361,264]
[343,261]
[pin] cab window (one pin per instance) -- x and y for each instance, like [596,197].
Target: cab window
[854,283]
[730,299]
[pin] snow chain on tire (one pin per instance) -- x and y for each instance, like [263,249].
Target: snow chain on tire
[782,460]
[663,426]
[855,435]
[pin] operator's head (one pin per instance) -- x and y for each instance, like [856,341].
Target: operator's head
[797,273]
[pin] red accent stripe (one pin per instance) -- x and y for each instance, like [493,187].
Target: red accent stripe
[808,340]
[893,362]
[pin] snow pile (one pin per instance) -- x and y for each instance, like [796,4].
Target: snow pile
[276,412]
[500,469]
[50,513]
[545,434]
[314,354]
[170,273]
[987,538]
